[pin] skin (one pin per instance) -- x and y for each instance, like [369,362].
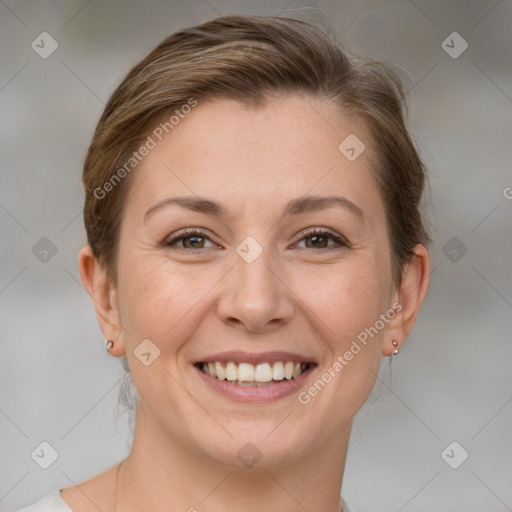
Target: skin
[206,299]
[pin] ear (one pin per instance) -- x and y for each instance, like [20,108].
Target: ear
[409,295]
[104,295]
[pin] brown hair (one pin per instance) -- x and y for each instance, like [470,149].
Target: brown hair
[249,59]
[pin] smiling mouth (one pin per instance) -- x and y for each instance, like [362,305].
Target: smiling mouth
[261,374]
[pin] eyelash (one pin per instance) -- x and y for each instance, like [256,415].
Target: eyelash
[189,233]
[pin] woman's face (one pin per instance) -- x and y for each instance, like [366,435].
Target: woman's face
[252,284]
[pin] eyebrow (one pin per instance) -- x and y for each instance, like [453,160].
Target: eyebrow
[294,207]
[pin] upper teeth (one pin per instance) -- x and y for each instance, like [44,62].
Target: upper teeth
[246,372]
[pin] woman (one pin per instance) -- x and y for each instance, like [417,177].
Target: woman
[255,246]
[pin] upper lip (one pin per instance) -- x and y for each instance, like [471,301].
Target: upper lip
[255,358]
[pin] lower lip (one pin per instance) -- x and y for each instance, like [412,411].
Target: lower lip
[268,393]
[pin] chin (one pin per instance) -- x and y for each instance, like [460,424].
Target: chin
[258,445]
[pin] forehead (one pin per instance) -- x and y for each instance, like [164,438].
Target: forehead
[258,157]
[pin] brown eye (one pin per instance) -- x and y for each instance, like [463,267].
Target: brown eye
[189,240]
[319,239]
[194,242]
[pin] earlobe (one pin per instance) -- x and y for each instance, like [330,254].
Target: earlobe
[409,295]
[104,296]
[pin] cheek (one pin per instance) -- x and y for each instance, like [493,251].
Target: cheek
[346,299]
[161,299]
[158,305]
[346,306]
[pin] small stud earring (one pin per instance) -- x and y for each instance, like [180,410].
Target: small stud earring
[109,344]
[395,352]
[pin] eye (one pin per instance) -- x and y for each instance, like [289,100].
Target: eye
[319,239]
[191,239]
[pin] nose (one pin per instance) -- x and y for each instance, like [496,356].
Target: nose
[255,296]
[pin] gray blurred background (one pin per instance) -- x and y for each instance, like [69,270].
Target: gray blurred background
[452,381]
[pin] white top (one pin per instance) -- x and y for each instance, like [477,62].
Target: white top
[52,502]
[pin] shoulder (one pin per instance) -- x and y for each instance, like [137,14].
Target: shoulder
[89,496]
[51,502]
[345,507]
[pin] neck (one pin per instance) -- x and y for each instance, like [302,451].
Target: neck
[160,472]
